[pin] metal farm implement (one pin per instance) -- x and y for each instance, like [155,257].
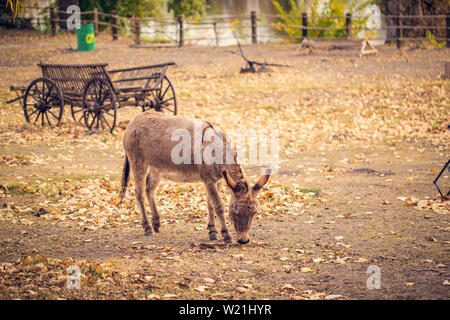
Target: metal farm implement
[94,93]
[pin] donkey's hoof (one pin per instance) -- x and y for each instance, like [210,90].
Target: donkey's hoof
[213,236]
[156,226]
[226,236]
[148,232]
[227,240]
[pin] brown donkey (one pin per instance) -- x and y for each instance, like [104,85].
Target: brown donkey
[150,142]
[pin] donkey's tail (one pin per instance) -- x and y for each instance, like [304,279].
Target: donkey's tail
[125,178]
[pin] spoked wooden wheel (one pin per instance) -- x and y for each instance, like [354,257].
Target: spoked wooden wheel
[43,103]
[163,99]
[77,111]
[99,104]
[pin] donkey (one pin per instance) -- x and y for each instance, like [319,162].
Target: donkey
[148,143]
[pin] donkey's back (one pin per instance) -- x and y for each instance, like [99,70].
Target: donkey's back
[152,138]
[149,135]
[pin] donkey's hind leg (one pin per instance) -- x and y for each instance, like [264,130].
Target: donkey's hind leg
[139,170]
[152,182]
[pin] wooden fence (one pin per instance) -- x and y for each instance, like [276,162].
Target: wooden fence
[402,27]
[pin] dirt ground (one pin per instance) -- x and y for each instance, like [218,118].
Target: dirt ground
[361,140]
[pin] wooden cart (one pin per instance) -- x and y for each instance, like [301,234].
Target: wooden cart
[94,93]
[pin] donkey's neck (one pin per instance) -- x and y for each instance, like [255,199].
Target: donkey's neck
[235,171]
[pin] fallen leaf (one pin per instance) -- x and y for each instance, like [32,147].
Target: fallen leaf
[201,288]
[288,287]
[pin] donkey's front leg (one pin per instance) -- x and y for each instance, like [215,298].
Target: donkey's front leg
[211,224]
[214,197]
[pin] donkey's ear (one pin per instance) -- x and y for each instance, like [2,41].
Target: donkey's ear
[229,180]
[262,180]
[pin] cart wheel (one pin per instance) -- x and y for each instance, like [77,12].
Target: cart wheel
[43,102]
[163,99]
[77,112]
[99,105]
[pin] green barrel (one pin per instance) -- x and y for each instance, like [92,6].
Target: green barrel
[86,37]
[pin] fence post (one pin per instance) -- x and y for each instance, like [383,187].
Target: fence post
[447,27]
[137,30]
[399,30]
[254,30]
[348,25]
[305,25]
[53,20]
[215,33]
[95,20]
[114,25]
[180,25]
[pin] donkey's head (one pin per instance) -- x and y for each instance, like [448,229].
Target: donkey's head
[243,204]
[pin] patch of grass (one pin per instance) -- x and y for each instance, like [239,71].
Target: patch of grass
[81,177]
[380,107]
[436,124]
[56,185]
[185,94]
[155,39]
[182,189]
[317,191]
[18,188]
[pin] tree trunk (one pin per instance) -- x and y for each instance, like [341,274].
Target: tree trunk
[421,20]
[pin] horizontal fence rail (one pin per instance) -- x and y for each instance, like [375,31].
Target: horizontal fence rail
[250,28]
